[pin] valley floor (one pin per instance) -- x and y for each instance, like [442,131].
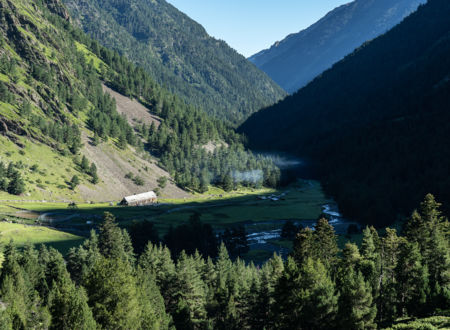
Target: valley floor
[262,212]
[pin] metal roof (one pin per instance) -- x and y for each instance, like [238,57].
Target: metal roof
[140,197]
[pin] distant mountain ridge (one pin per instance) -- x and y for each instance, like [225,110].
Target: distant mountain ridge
[179,54]
[300,57]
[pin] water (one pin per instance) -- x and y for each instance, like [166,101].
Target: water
[260,239]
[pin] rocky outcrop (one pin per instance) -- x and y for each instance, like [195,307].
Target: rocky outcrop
[58,8]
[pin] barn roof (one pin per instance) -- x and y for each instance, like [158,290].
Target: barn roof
[140,197]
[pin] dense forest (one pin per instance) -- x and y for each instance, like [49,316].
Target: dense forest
[105,284]
[63,70]
[179,55]
[376,124]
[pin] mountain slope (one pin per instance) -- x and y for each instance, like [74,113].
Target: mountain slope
[296,60]
[179,53]
[50,97]
[78,121]
[377,122]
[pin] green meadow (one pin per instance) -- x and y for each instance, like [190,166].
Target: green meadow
[22,234]
[301,200]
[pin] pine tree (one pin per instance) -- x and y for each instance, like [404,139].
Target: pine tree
[110,239]
[388,300]
[228,184]
[113,295]
[93,173]
[304,245]
[74,182]
[157,262]
[68,307]
[412,280]
[305,297]
[317,295]
[84,164]
[151,302]
[16,185]
[326,242]
[189,295]
[356,307]
[122,142]
[371,260]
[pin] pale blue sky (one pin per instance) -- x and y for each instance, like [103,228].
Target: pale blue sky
[252,25]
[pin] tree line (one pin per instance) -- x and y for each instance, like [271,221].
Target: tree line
[104,284]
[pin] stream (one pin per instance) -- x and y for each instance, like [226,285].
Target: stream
[260,240]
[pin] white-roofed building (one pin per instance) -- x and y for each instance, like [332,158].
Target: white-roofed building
[140,199]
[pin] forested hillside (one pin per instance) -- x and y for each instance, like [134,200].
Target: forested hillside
[300,57]
[179,54]
[53,110]
[377,123]
[104,284]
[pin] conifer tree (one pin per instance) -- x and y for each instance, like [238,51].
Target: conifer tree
[306,296]
[113,295]
[156,262]
[189,295]
[84,164]
[93,173]
[151,302]
[74,182]
[412,280]
[68,306]
[16,185]
[388,300]
[371,260]
[326,242]
[357,309]
[110,239]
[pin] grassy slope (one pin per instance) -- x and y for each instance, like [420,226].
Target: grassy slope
[22,234]
[50,181]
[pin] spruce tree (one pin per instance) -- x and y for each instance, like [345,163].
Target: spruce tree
[189,295]
[412,280]
[110,239]
[357,309]
[74,182]
[113,294]
[325,242]
[16,185]
[84,164]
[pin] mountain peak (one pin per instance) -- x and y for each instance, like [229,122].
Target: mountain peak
[300,57]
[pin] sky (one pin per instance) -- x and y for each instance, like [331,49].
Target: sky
[250,26]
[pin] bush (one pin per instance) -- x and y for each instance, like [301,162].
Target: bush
[138,181]
[162,182]
[74,182]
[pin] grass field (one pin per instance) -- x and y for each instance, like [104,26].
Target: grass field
[302,200]
[22,234]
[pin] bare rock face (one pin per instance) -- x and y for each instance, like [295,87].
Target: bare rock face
[8,126]
[58,8]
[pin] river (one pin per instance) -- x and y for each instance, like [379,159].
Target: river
[261,240]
